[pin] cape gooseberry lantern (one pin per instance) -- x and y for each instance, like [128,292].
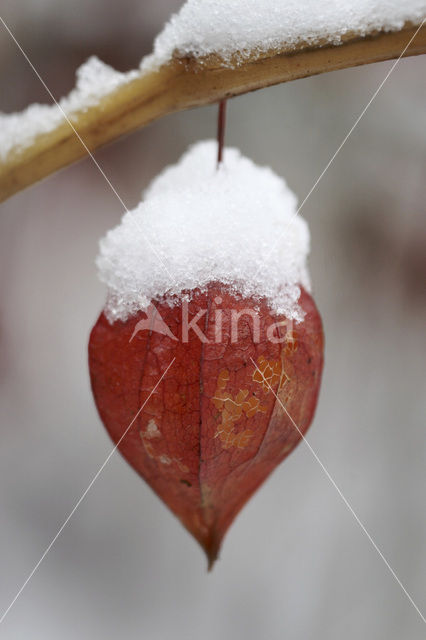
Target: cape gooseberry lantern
[206,360]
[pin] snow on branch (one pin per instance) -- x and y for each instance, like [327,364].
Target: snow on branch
[207,52]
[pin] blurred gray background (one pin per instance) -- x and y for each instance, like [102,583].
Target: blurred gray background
[296,564]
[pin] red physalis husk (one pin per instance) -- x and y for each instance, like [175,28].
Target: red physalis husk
[213,429]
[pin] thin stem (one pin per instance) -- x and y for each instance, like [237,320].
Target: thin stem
[221,126]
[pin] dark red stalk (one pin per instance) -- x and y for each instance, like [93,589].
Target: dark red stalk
[221,125]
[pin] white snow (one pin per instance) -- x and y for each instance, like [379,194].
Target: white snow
[237,225]
[226,27]
[95,79]
[203,27]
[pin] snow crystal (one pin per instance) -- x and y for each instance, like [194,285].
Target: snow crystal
[94,80]
[197,224]
[203,27]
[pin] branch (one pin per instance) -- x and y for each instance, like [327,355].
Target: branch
[184,83]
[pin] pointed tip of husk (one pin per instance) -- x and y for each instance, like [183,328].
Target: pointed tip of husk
[211,559]
[212,548]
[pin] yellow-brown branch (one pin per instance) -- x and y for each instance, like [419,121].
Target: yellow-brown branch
[185,83]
